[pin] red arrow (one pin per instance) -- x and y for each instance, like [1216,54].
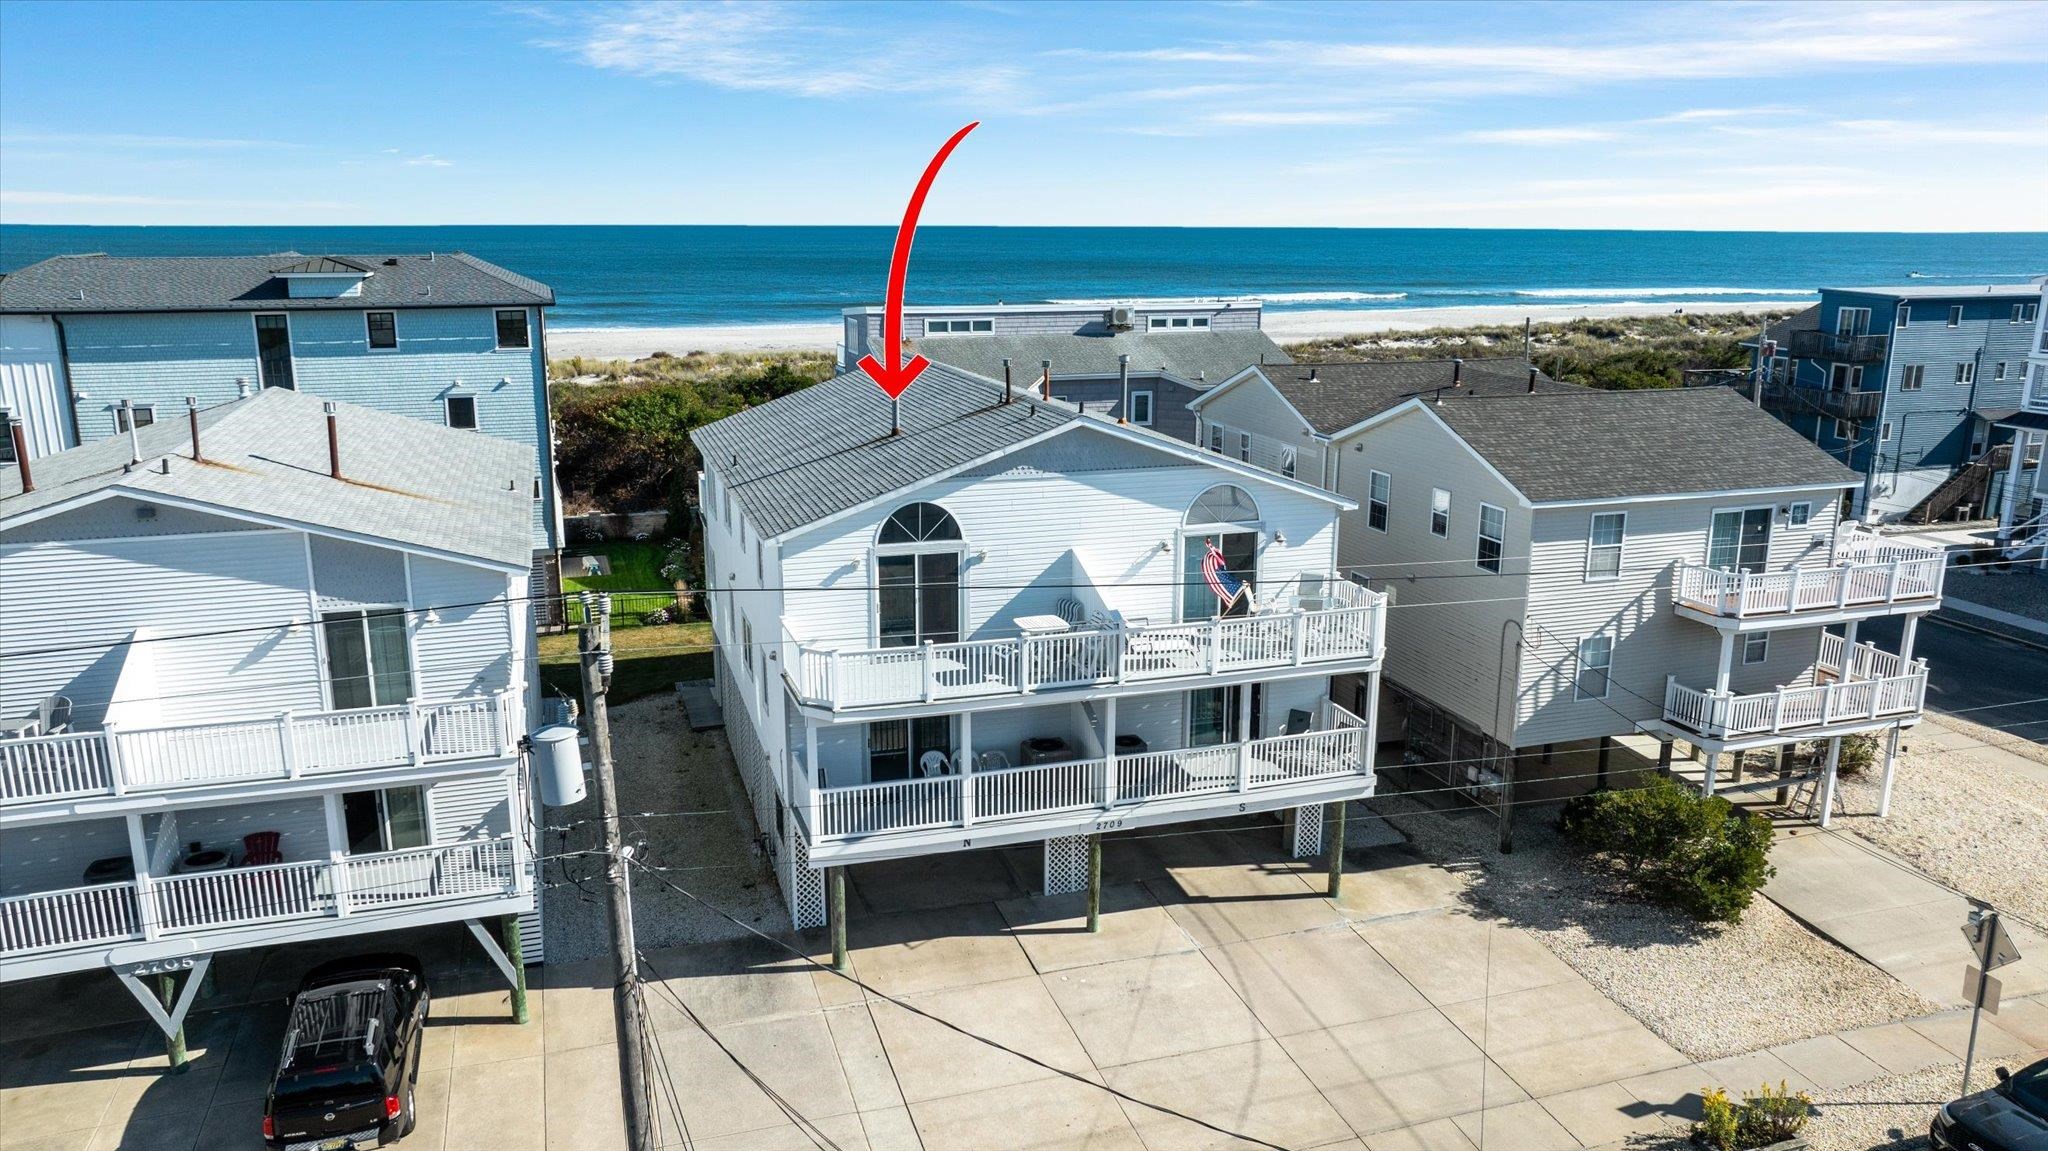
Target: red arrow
[893,377]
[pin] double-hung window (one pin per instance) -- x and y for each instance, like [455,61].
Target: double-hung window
[1998,370]
[1439,512]
[382,328]
[1244,446]
[1596,660]
[1603,545]
[1905,313]
[1912,377]
[1141,409]
[1493,534]
[368,661]
[1376,503]
[1756,647]
[1287,462]
[1215,439]
[1966,372]
[512,328]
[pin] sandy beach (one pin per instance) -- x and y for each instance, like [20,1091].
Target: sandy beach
[634,343]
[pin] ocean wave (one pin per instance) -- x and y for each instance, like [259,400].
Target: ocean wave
[1269,298]
[1630,293]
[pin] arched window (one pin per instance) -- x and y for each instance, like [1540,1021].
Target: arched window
[917,577]
[917,524]
[1223,504]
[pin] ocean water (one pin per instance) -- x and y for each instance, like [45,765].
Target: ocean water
[652,276]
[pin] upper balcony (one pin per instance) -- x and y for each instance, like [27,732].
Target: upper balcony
[1869,575]
[1858,690]
[1337,623]
[123,759]
[1813,345]
[1789,396]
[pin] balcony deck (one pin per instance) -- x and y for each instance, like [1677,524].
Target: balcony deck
[1869,576]
[1346,625]
[125,760]
[1846,349]
[1100,792]
[194,906]
[1863,689]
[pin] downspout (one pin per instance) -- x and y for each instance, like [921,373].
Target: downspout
[70,393]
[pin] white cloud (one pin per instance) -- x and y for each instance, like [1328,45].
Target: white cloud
[1563,134]
[428,160]
[1302,117]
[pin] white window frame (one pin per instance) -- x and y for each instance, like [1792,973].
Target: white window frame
[1244,447]
[1912,377]
[1198,321]
[1851,374]
[970,326]
[1146,397]
[2019,314]
[1619,546]
[1758,642]
[1845,431]
[1440,513]
[370,341]
[1884,432]
[121,417]
[1955,315]
[1998,371]
[1844,325]
[1500,542]
[1379,499]
[1288,461]
[1905,314]
[1966,372]
[476,415]
[1605,667]
[1800,514]
[1216,438]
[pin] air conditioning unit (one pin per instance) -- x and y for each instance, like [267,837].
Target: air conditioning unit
[1119,319]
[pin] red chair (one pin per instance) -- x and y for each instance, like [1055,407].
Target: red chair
[260,848]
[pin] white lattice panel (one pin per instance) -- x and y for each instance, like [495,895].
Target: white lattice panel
[1308,831]
[803,885]
[1066,864]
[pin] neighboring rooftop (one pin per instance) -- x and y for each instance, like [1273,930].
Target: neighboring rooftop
[810,454]
[404,480]
[1185,304]
[102,283]
[1198,357]
[1333,397]
[1780,332]
[1949,291]
[1589,445]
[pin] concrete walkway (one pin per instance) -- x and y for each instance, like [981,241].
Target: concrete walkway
[1872,903]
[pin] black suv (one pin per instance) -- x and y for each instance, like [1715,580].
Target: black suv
[351,1056]
[2013,1116]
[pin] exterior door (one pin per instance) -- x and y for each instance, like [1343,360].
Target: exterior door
[1741,540]
[274,350]
[368,664]
[1240,558]
[1213,715]
[896,745]
[918,598]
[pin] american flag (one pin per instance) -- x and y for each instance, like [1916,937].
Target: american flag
[1216,571]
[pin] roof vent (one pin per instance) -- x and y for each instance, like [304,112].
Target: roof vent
[391,261]
[1457,372]
[1312,376]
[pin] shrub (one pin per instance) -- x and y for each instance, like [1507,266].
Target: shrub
[1718,1123]
[1701,855]
[1765,1116]
[1858,753]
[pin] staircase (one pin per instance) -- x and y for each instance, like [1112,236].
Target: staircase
[1970,485]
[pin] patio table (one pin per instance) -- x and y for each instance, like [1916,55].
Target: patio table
[1041,624]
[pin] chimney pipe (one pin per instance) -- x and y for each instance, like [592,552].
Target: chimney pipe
[1123,371]
[896,417]
[134,437]
[1532,380]
[241,387]
[28,482]
[333,441]
[192,417]
[1006,379]
[1045,376]
[1457,371]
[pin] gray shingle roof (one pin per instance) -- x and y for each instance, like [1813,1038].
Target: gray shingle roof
[1590,444]
[99,283]
[1807,320]
[405,480]
[1197,357]
[1332,397]
[1948,291]
[803,457]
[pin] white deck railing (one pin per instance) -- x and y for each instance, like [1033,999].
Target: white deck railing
[981,797]
[1866,572]
[1803,711]
[242,896]
[289,745]
[837,678]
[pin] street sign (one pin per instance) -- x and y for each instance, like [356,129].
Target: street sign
[1973,981]
[2000,950]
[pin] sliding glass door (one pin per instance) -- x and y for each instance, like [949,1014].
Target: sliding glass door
[1741,540]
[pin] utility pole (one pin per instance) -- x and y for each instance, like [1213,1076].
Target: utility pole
[594,645]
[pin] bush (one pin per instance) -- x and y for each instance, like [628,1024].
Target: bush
[1765,1116]
[1703,856]
[1858,753]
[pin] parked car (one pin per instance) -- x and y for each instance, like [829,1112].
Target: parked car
[351,1056]
[2012,1116]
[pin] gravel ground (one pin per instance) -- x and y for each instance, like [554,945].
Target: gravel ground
[1709,991]
[662,766]
[1890,1113]
[2022,593]
[1974,818]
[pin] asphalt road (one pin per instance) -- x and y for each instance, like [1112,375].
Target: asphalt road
[1987,679]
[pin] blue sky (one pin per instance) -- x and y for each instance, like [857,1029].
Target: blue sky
[1786,116]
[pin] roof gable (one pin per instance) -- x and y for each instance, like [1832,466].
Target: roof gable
[101,283]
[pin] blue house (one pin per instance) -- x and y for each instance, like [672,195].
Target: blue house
[1907,385]
[89,343]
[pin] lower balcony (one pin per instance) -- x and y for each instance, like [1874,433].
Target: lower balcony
[211,902]
[1860,689]
[130,759]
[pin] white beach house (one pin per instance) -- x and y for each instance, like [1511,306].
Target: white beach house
[987,622]
[265,670]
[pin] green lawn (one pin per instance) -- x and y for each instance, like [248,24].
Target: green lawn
[636,567]
[645,660]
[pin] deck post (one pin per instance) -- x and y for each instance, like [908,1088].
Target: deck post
[1336,847]
[835,895]
[1507,801]
[1094,883]
[1907,631]
[1726,665]
[1784,772]
[967,769]
[1848,648]
[1547,749]
[1713,769]
[1109,752]
[1606,746]
[1664,753]
[1827,793]
[174,1041]
[1884,793]
[515,954]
